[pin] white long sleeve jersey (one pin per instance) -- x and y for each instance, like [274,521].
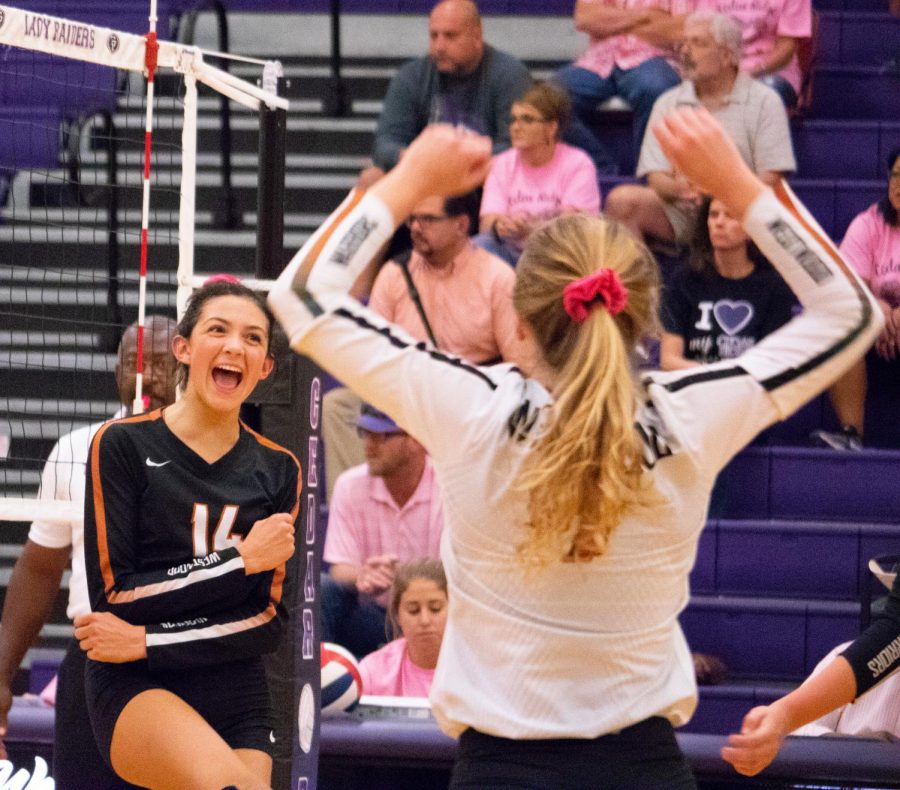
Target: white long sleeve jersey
[572,650]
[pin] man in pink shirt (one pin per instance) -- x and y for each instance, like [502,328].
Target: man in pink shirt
[382,513]
[772,31]
[631,43]
[464,293]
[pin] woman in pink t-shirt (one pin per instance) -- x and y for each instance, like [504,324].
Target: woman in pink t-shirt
[418,615]
[872,246]
[537,179]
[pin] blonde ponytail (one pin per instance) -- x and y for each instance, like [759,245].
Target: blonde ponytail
[584,472]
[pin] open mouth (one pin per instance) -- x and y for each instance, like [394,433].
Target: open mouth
[227,377]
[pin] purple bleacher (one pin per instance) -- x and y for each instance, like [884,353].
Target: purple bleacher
[76,87]
[815,143]
[703,574]
[855,92]
[853,197]
[29,137]
[819,198]
[759,638]
[797,559]
[869,39]
[721,709]
[822,485]
[828,625]
[742,489]
[129,16]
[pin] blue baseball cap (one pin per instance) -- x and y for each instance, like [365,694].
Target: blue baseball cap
[374,421]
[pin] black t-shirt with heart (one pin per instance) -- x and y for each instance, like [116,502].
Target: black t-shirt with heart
[720,318]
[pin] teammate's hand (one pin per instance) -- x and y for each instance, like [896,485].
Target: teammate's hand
[5,704]
[702,152]
[761,735]
[449,160]
[377,574]
[105,637]
[269,543]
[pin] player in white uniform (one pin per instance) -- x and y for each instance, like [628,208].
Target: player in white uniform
[563,663]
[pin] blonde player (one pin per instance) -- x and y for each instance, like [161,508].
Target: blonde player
[574,495]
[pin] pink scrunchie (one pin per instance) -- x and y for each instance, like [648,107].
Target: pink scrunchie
[602,287]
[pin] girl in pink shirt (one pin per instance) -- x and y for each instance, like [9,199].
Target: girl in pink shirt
[538,178]
[418,615]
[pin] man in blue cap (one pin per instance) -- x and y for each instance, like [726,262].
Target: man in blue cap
[383,513]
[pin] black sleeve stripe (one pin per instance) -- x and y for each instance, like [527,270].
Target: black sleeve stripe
[362,321]
[701,378]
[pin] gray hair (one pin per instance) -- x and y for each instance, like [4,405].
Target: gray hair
[725,30]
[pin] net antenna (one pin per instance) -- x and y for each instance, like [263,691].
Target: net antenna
[36,138]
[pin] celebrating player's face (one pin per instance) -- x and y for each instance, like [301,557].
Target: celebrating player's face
[227,352]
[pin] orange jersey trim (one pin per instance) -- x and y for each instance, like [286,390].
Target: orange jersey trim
[109,580]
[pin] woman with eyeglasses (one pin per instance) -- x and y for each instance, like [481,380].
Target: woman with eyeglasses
[538,178]
[574,492]
[872,246]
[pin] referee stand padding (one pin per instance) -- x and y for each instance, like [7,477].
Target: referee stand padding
[365,749]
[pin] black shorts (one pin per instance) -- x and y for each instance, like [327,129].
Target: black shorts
[640,757]
[77,764]
[233,698]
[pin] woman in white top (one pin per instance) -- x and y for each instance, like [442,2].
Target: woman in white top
[574,497]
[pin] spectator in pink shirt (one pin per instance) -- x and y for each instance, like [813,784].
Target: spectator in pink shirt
[629,55]
[418,615]
[385,512]
[872,246]
[772,31]
[456,296]
[538,178]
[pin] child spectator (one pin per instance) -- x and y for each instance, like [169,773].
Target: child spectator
[418,616]
[538,178]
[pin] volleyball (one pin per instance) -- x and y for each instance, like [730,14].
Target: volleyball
[341,681]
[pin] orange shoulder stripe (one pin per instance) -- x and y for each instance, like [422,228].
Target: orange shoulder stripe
[99,503]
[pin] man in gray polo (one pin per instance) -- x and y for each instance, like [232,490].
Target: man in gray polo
[751,113]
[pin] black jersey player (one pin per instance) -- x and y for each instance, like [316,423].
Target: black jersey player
[189,519]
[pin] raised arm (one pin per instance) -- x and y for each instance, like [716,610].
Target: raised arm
[381,362]
[740,397]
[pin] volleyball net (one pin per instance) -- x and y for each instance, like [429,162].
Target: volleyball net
[98,220]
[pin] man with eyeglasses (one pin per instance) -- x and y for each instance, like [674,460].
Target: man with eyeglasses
[462,80]
[449,293]
[383,513]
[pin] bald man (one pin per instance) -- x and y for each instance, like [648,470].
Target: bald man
[36,576]
[462,80]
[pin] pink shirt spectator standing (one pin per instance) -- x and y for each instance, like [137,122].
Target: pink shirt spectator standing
[364,521]
[389,672]
[568,181]
[873,248]
[468,303]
